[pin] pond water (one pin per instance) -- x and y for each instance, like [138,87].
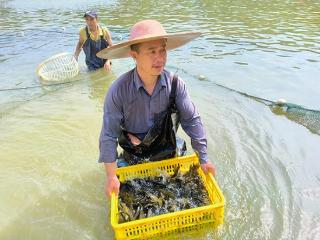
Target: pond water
[51,185]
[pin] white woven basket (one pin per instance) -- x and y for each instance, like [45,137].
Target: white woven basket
[58,67]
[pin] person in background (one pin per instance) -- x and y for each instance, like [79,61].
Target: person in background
[92,39]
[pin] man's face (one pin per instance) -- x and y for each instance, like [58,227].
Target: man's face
[151,57]
[91,22]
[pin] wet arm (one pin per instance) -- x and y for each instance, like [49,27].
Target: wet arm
[108,37]
[112,181]
[78,48]
[109,40]
[191,122]
[110,128]
[109,139]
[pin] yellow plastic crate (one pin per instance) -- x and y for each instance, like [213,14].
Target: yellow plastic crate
[185,220]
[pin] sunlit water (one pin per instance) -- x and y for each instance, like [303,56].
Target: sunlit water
[51,185]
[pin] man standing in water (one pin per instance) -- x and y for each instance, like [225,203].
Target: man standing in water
[139,104]
[93,39]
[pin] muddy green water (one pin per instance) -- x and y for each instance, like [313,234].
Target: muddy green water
[51,186]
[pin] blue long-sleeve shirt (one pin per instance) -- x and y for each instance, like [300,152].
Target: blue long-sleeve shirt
[128,103]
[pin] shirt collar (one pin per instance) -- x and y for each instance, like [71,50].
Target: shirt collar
[138,82]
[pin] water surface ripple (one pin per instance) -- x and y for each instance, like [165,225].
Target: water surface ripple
[51,185]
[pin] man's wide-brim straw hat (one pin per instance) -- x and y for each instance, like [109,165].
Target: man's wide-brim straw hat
[145,31]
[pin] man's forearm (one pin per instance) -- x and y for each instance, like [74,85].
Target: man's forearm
[110,169]
[78,50]
[196,132]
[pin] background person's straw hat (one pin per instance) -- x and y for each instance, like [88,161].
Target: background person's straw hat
[145,31]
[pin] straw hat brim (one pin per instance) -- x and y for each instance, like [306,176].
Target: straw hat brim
[121,50]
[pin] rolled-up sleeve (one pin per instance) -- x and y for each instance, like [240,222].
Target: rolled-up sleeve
[191,121]
[110,131]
